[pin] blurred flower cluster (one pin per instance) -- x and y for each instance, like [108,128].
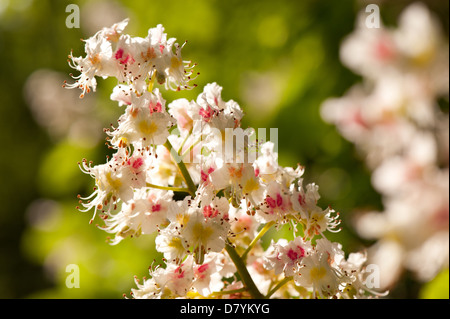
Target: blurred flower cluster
[177,171]
[395,121]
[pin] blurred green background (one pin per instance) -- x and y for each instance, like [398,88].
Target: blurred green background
[278,59]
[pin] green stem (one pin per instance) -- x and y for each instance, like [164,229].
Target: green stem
[190,148]
[169,188]
[278,286]
[243,272]
[182,167]
[182,144]
[258,237]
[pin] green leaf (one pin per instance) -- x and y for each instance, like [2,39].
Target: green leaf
[437,288]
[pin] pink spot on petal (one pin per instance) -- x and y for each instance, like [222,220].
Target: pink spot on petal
[204,176]
[301,199]
[384,50]
[209,212]
[302,251]
[203,268]
[206,114]
[271,202]
[119,54]
[138,162]
[279,200]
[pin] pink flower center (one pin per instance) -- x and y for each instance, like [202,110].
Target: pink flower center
[203,268]
[279,200]
[200,272]
[271,202]
[206,114]
[204,175]
[295,255]
[179,272]
[155,108]
[384,50]
[301,199]
[137,163]
[123,59]
[292,255]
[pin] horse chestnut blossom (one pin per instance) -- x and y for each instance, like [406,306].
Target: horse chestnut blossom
[395,121]
[172,175]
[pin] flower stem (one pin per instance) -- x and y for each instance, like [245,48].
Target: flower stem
[243,272]
[278,286]
[258,237]
[191,147]
[182,167]
[182,144]
[169,188]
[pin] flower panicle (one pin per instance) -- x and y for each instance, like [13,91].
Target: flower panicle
[172,175]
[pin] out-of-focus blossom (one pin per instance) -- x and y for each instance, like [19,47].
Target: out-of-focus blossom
[394,120]
[59,111]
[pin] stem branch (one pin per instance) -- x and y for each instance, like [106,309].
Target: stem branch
[243,272]
[258,237]
[169,188]
[278,286]
[182,167]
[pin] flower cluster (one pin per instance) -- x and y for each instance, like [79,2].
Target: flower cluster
[395,121]
[174,174]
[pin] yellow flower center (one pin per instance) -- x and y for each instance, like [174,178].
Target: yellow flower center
[201,232]
[115,183]
[318,273]
[250,186]
[147,128]
[175,63]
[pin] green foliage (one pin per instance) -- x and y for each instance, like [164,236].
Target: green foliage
[437,288]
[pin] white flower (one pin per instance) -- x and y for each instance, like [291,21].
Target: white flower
[277,204]
[99,58]
[144,123]
[333,250]
[170,242]
[176,279]
[182,110]
[319,220]
[148,290]
[207,275]
[355,284]
[141,215]
[287,256]
[132,60]
[244,225]
[214,113]
[240,181]
[170,68]
[317,274]
[304,201]
[98,62]
[266,165]
[114,182]
[205,234]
